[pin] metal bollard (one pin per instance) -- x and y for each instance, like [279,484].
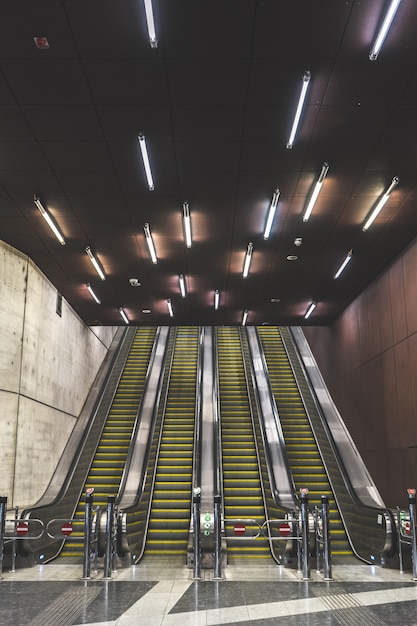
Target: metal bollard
[217,570]
[14,545]
[3,505]
[305,534]
[196,533]
[412,507]
[87,533]
[327,554]
[108,554]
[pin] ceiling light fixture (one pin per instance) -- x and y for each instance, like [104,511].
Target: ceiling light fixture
[49,220]
[146,163]
[316,191]
[304,86]
[170,310]
[95,262]
[245,317]
[123,315]
[181,281]
[343,265]
[248,259]
[310,310]
[380,38]
[216,299]
[271,214]
[150,243]
[381,203]
[186,220]
[90,289]
[150,23]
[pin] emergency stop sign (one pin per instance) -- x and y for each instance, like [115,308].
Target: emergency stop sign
[66,528]
[239,529]
[22,529]
[285,530]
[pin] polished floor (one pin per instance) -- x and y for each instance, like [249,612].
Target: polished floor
[162,593]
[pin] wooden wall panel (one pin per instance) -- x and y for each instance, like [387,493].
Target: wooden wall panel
[370,366]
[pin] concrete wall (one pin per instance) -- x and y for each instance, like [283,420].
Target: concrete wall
[47,366]
[368,358]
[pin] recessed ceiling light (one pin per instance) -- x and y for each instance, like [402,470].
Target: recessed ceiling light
[275,300]
[146,311]
[134,282]
[292,257]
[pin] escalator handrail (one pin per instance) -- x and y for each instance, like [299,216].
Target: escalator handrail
[218,460]
[196,469]
[134,472]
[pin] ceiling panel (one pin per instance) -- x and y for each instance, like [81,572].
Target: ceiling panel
[215,100]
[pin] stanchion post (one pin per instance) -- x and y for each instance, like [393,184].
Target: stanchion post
[412,508]
[196,533]
[108,553]
[400,541]
[305,534]
[14,545]
[327,552]
[88,523]
[3,505]
[217,538]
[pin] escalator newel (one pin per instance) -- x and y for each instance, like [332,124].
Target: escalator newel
[412,508]
[89,497]
[327,553]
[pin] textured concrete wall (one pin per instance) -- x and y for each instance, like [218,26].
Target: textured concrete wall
[368,358]
[47,366]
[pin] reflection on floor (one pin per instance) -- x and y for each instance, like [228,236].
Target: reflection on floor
[161,592]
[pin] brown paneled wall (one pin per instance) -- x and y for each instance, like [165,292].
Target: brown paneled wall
[368,358]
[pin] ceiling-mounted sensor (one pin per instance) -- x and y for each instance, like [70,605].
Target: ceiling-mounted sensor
[298,241]
[134,282]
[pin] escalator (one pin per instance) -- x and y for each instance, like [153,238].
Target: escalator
[303,454]
[109,461]
[169,521]
[242,490]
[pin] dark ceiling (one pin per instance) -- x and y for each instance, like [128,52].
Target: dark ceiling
[216,101]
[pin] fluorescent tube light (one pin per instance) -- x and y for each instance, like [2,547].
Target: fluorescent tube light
[271,214]
[181,281]
[123,315]
[304,86]
[316,191]
[169,305]
[380,38]
[90,289]
[248,259]
[95,263]
[245,317]
[150,243]
[187,224]
[343,265]
[310,310]
[49,221]
[150,23]
[216,299]
[380,203]
[146,163]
